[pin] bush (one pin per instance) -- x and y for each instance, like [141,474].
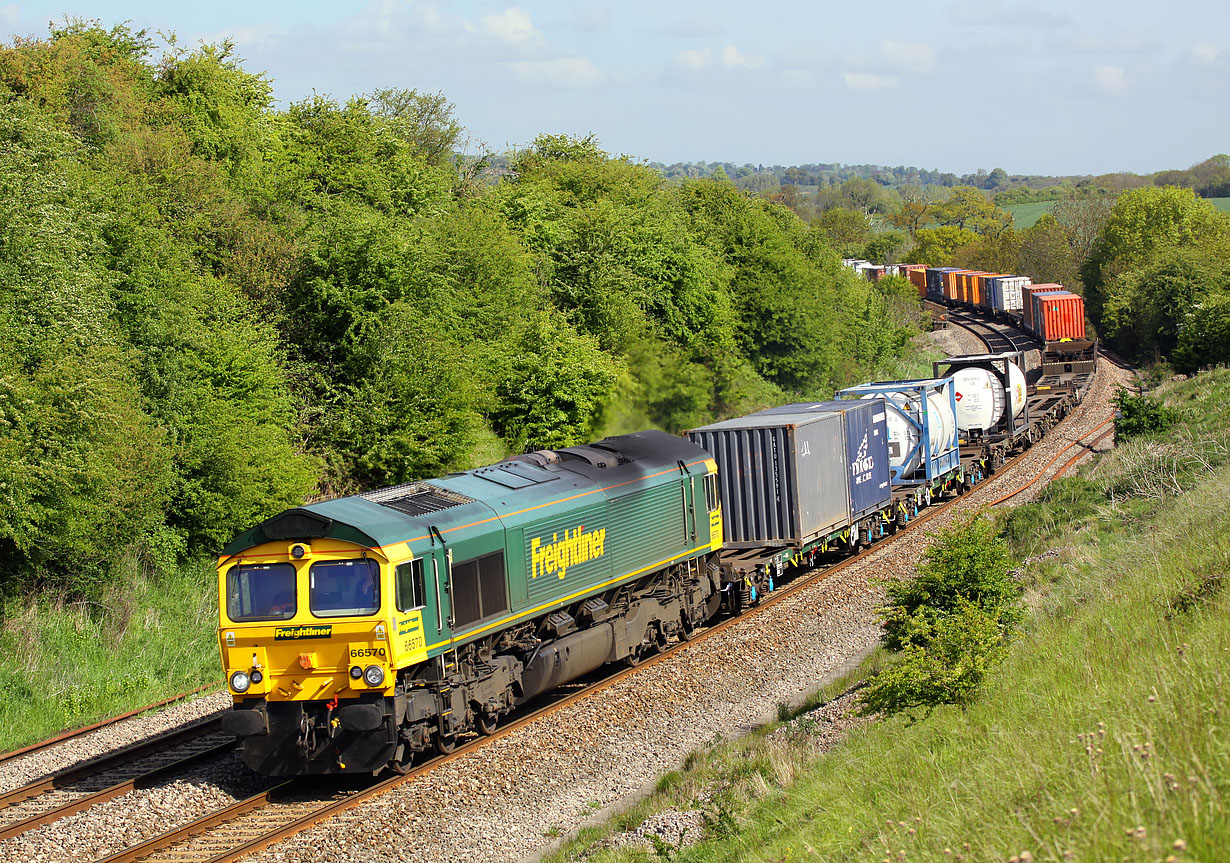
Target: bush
[1140,415]
[968,564]
[951,622]
[948,664]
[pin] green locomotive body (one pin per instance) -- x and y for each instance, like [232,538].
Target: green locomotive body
[358,631]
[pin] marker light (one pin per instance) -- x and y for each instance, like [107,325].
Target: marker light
[356,672]
[240,681]
[256,677]
[374,675]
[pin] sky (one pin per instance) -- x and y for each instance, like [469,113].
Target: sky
[1076,87]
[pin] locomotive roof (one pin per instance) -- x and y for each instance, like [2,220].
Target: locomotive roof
[399,513]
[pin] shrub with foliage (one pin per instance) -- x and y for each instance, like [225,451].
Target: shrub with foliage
[1139,414]
[968,563]
[948,663]
[950,623]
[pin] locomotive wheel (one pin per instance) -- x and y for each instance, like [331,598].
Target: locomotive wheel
[445,744]
[487,724]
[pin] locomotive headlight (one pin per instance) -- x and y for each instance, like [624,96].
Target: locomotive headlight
[240,681]
[356,672]
[256,676]
[373,675]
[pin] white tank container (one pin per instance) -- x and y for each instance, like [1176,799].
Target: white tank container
[981,398]
[903,435]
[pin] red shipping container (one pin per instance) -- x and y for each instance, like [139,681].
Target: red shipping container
[1060,316]
[1027,301]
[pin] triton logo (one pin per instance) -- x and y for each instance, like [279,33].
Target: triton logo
[294,633]
[576,546]
[863,462]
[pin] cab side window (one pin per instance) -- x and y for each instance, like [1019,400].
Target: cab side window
[712,500]
[410,590]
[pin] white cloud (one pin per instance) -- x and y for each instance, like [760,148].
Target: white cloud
[563,72]
[513,26]
[1110,79]
[798,79]
[732,58]
[695,27]
[866,83]
[1206,52]
[694,59]
[994,14]
[916,55]
[592,19]
[895,55]
[1116,43]
[800,59]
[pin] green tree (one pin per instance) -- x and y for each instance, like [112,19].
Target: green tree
[425,121]
[1141,224]
[847,231]
[936,247]
[1046,253]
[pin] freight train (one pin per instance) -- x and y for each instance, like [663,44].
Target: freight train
[359,632]
[1049,312]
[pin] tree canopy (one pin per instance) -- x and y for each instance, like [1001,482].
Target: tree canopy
[214,308]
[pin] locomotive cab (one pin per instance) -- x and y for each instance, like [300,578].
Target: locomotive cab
[312,634]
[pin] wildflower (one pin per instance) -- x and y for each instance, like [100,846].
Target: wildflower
[1026,857]
[1180,845]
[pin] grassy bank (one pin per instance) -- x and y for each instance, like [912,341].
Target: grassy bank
[1101,738]
[63,665]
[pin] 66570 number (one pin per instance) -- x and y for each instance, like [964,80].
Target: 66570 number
[357,652]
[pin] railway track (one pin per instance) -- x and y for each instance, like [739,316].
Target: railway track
[111,720]
[287,808]
[97,780]
[280,812]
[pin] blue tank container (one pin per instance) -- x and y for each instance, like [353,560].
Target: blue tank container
[868,474]
[922,433]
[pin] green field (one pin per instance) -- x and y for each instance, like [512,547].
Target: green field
[1025,215]
[1101,737]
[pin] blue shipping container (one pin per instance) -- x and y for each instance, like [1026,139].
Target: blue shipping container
[866,432]
[923,438]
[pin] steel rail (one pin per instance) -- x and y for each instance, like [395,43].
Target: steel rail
[111,760]
[1056,457]
[142,780]
[77,732]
